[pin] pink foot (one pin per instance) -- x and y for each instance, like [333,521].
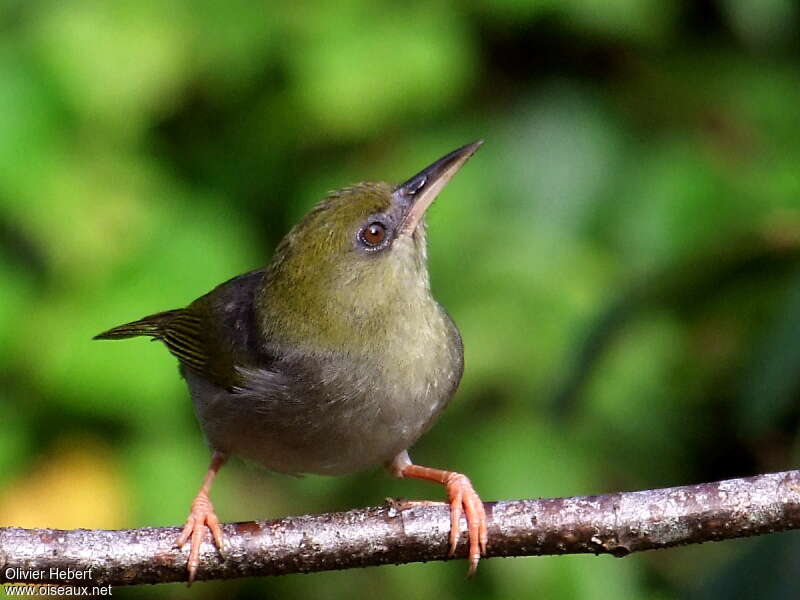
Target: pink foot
[202,516]
[464,498]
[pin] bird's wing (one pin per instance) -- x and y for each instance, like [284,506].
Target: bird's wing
[213,336]
[186,337]
[218,332]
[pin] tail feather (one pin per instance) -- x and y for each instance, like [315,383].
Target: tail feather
[152,325]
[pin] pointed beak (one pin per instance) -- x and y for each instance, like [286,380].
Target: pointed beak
[419,192]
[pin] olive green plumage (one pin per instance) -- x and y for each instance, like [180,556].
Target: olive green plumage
[335,356]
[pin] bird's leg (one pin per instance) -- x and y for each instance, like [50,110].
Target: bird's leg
[462,498]
[201,516]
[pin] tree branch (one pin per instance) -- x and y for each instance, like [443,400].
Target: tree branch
[616,524]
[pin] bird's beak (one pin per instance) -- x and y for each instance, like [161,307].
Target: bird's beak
[419,192]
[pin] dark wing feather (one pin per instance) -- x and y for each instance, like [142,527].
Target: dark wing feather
[212,336]
[151,325]
[185,338]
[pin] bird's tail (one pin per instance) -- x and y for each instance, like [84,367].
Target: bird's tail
[152,325]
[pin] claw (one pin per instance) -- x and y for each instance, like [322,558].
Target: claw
[465,500]
[202,516]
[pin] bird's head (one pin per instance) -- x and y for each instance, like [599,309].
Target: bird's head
[356,259]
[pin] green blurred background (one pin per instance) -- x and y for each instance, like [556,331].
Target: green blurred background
[622,256]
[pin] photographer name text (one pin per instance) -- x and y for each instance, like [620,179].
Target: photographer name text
[52,574]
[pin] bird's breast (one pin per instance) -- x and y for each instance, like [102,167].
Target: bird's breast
[336,411]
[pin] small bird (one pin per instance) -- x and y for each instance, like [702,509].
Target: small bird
[332,359]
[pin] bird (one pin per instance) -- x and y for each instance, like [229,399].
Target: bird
[334,358]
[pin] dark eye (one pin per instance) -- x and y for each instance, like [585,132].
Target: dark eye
[373,234]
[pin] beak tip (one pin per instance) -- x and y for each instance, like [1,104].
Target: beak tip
[420,191]
[472,148]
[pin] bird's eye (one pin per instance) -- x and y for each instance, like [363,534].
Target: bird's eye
[373,234]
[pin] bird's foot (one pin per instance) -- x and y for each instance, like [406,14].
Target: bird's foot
[201,516]
[464,499]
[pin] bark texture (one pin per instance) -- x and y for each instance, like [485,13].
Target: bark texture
[617,524]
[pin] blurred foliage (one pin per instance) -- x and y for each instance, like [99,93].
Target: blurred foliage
[622,256]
